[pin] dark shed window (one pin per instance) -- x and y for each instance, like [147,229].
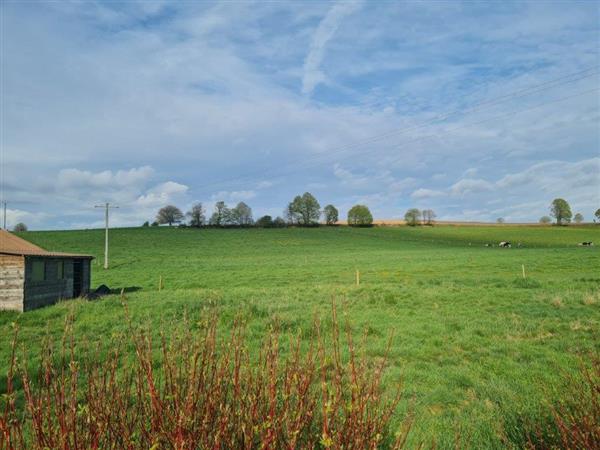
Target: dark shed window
[60,270]
[38,270]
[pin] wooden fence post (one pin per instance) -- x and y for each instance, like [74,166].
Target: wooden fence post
[523,268]
[160,283]
[357,277]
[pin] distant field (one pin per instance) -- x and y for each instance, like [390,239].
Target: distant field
[476,344]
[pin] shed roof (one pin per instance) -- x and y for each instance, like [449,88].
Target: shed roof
[14,245]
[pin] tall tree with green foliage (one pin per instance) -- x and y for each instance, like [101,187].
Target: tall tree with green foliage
[561,211]
[597,214]
[242,215]
[20,227]
[578,218]
[169,214]
[412,217]
[331,214]
[359,215]
[196,215]
[221,216]
[304,210]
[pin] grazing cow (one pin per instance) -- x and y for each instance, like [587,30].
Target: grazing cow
[504,244]
[586,244]
[488,245]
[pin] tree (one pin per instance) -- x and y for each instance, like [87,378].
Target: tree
[545,220]
[578,218]
[500,220]
[221,216]
[278,222]
[20,227]
[331,214]
[265,222]
[304,210]
[428,216]
[561,211]
[412,217]
[146,224]
[359,215]
[169,214]
[196,215]
[242,215]
[597,214]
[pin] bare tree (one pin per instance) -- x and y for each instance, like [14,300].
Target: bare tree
[169,214]
[428,216]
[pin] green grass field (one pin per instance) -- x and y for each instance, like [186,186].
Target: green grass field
[480,348]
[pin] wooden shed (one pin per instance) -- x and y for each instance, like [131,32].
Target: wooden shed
[31,277]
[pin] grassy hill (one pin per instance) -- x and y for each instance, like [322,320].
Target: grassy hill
[479,347]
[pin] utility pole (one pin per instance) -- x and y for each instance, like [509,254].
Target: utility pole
[106,207]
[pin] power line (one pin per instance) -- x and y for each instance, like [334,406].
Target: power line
[307,162]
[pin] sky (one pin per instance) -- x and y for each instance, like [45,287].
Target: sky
[477,110]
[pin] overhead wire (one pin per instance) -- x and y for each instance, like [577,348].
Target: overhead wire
[308,162]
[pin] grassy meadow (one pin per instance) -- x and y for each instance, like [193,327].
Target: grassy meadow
[479,349]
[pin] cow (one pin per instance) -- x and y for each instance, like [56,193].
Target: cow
[586,244]
[504,244]
[487,245]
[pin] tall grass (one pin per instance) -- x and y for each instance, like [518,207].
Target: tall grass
[196,389]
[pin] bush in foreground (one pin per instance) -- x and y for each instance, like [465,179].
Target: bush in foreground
[194,390]
[575,420]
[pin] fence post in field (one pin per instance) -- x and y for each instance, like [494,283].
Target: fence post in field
[357,277]
[523,268]
[160,283]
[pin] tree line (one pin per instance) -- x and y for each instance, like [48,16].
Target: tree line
[305,210]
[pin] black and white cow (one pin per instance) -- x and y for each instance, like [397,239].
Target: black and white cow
[504,244]
[586,244]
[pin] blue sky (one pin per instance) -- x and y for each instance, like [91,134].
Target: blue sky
[476,110]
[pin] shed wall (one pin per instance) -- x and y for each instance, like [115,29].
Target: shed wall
[51,289]
[12,276]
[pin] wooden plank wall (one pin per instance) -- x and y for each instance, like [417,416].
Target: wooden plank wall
[12,276]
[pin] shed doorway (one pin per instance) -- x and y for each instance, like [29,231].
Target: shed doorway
[77,277]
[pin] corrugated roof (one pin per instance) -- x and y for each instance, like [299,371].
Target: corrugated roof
[14,245]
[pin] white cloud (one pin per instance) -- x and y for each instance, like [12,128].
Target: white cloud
[469,186]
[81,179]
[213,95]
[325,31]
[233,196]
[422,193]
[14,216]
[162,194]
